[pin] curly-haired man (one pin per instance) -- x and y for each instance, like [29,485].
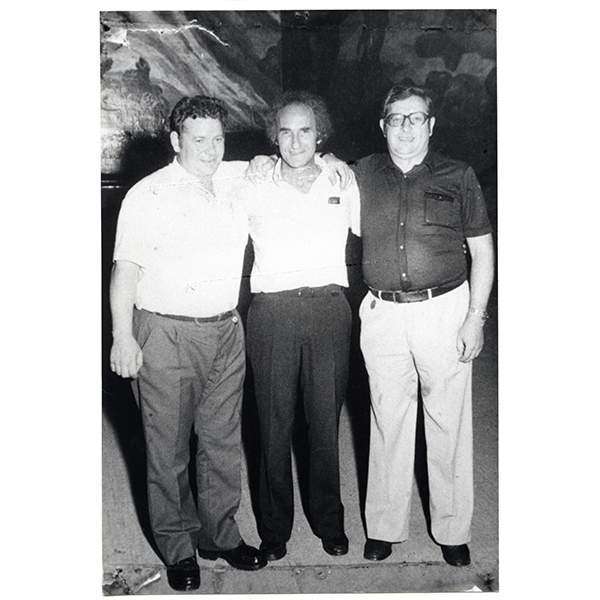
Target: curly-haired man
[299,320]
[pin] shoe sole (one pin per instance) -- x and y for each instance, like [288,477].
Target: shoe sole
[240,567]
[184,587]
[336,552]
[464,561]
[376,557]
[187,588]
[273,556]
[213,555]
[458,564]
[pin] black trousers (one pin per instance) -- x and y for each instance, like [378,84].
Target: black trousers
[299,337]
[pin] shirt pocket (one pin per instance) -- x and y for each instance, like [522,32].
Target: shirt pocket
[442,209]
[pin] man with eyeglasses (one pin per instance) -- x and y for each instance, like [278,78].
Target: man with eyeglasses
[421,323]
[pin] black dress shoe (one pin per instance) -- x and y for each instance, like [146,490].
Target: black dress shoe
[457,556]
[272,551]
[184,575]
[336,546]
[377,549]
[243,557]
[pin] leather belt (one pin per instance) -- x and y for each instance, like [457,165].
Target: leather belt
[331,289]
[414,296]
[219,317]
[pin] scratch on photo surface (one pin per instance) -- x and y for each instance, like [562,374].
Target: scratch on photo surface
[118,35]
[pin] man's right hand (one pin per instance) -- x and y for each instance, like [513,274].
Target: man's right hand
[125,356]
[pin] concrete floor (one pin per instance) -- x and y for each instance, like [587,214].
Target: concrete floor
[132,567]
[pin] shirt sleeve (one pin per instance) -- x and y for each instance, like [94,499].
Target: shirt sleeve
[474,213]
[231,169]
[132,242]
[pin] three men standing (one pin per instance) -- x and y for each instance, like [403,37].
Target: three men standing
[178,258]
[422,323]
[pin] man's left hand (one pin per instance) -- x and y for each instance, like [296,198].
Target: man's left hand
[338,170]
[260,168]
[469,340]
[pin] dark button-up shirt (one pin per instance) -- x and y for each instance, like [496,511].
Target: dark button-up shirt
[413,224]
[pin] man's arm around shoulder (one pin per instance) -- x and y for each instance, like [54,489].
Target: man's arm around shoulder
[125,354]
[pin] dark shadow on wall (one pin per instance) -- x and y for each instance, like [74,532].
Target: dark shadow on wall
[143,154]
[357,401]
[420,466]
[123,414]
[118,404]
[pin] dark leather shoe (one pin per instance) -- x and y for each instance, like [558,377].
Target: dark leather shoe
[272,551]
[336,546]
[377,549]
[243,557]
[457,556]
[184,575]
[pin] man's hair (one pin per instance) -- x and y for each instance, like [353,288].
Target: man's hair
[196,107]
[402,92]
[312,101]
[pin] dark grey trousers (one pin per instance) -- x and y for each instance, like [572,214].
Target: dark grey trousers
[191,378]
[299,337]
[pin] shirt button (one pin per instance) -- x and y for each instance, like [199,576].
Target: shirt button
[234,319]
[404,275]
[401,247]
[300,293]
[401,223]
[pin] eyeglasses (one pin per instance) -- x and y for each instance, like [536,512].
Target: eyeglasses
[398,119]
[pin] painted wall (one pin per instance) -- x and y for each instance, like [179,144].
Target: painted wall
[150,59]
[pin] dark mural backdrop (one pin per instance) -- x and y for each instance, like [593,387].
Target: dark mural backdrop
[150,59]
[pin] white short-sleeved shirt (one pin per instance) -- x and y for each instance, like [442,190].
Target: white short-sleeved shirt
[188,242]
[299,239]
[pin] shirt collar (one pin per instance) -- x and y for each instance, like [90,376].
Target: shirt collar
[277,171]
[430,161]
[182,174]
[277,177]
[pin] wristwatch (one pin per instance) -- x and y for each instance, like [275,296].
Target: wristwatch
[482,314]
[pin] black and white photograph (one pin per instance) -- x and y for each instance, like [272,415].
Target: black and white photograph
[299,301]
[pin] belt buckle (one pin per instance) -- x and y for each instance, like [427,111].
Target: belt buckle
[397,296]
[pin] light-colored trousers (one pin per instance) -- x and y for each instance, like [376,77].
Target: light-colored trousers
[404,344]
